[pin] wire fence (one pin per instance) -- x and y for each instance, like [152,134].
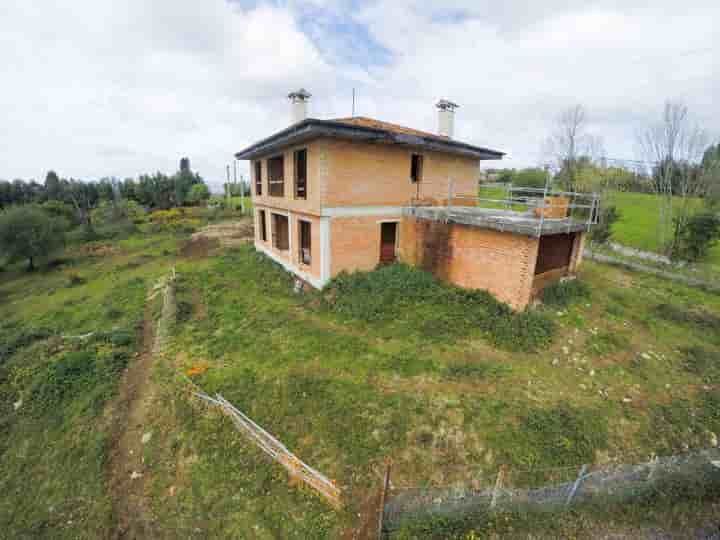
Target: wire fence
[277,451]
[551,490]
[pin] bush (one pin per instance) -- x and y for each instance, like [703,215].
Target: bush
[176,220]
[695,237]
[74,280]
[27,232]
[563,293]
[197,194]
[602,231]
[402,295]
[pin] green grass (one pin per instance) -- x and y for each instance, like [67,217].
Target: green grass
[374,355]
[639,223]
[57,438]
[389,364]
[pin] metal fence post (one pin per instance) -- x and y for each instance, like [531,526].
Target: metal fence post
[498,486]
[576,485]
[383,496]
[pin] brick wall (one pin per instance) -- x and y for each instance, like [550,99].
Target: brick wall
[316,174]
[499,262]
[362,174]
[355,242]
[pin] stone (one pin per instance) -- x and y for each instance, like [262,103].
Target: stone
[18,404]
[555,362]
[135,475]
[146,437]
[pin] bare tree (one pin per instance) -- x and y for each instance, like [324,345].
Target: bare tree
[672,147]
[569,142]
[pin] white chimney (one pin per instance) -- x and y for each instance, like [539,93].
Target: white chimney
[446,117]
[299,101]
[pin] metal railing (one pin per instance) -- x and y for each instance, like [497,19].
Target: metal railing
[534,204]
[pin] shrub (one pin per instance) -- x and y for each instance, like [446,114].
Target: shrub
[61,378]
[695,236]
[563,293]
[702,362]
[198,193]
[602,231]
[402,295]
[74,280]
[177,220]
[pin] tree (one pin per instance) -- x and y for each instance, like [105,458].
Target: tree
[26,232]
[672,147]
[198,193]
[530,177]
[52,186]
[569,142]
[710,172]
[84,196]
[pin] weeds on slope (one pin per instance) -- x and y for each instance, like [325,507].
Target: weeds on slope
[402,295]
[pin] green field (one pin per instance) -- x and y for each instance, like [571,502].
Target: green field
[639,221]
[391,364]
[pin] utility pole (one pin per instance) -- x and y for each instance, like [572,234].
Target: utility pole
[242,187]
[227,185]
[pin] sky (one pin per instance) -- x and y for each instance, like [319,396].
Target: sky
[95,88]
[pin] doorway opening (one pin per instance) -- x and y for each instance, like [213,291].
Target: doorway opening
[388,242]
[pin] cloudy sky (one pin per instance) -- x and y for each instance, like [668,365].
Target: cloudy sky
[97,88]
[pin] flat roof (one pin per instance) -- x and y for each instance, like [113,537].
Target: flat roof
[499,220]
[365,130]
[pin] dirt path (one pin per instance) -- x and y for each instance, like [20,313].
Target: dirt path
[131,508]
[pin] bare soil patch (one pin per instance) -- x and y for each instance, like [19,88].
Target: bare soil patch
[199,247]
[128,474]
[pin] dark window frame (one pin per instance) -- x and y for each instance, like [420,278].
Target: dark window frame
[263,225]
[276,176]
[416,168]
[305,241]
[300,181]
[258,177]
[281,243]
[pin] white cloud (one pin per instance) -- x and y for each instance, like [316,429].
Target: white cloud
[95,87]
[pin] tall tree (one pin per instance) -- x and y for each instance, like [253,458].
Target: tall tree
[569,142]
[53,189]
[671,146]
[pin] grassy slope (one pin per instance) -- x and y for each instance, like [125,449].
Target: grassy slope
[53,448]
[639,222]
[345,393]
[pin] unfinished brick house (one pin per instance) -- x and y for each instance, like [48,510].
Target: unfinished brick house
[351,193]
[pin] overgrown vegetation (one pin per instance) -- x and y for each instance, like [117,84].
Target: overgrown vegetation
[400,295]
[562,293]
[390,363]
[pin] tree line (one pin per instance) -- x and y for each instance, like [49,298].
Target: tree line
[153,191]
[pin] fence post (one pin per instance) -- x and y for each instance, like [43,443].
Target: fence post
[498,486]
[576,485]
[383,495]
